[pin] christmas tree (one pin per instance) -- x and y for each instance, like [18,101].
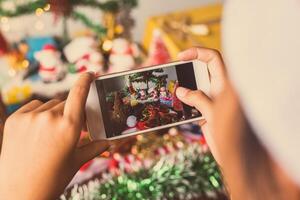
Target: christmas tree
[156,76]
[67,9]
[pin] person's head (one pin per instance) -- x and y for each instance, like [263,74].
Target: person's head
[258,112]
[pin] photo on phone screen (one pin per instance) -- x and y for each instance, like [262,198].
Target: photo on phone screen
[144,100]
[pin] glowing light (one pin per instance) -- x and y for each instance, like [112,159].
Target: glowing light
[107,45]
[139,137]
[105,154]
[25,63]
[173,131]
[47,7]
[117,156]
[4,20]
[39,11]
[119,29]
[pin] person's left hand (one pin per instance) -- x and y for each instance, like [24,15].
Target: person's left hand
[40,153]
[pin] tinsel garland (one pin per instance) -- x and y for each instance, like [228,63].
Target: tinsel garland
[187,174]
[23,9]
[97,28]
[31,6]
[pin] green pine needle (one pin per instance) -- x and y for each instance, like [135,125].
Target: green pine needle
[186,174]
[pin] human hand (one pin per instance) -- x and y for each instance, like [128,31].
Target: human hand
[198,99]
[40,153]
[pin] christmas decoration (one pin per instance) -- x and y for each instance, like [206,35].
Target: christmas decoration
[66,9]
[83,55]
[124,19]
[16,93]
[3,45]
[181,30]
[158,53]
[51,67]
[60,7]
[17,61]
[122,56]
[187,174]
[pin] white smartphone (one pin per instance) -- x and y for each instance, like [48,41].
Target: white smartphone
[143,100]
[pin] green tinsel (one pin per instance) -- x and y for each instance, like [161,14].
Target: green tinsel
[187,174]
[97,28]
[23,9]
[31,6]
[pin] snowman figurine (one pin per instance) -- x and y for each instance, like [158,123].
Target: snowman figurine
[51,68]
[154,94]
[143,95]
[131,123]
[122,55]
[83,54]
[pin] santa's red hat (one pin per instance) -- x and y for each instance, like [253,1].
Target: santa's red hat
[49,47]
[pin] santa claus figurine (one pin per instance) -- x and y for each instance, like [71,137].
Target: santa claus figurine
[51,68]
[123,54]
[82,52]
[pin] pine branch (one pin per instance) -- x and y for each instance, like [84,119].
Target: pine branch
[187,174]
[97,28]
[23,9]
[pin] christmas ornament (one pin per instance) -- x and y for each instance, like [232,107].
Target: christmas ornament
[188,174]
[83,55]
[67,9]
[158,52]
[124,19]
[51,67]
[60,7]
[16,93]
[3,45]
[122,56]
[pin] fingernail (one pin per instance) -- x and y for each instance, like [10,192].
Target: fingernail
[181,91]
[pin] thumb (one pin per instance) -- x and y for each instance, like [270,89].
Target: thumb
[197,99]
[90,151]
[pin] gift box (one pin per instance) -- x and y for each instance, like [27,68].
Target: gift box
[184,29]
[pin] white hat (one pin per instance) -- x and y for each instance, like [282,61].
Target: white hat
[262,53]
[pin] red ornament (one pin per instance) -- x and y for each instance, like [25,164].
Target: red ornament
[60,7]
[3,45]
[158,52]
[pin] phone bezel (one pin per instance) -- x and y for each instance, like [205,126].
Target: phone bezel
[94,116]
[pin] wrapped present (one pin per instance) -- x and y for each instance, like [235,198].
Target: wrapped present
[182,30]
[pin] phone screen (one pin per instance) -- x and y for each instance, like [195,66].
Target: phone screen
[144,100]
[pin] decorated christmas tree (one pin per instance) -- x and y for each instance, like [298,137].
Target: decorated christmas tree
[156,76]
[67,9]
[159,167]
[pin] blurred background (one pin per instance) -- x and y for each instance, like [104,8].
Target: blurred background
[46,44]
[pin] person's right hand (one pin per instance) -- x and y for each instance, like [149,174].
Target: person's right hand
[197,98]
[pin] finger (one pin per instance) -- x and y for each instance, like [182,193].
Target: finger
[212,57]
[75,103]
[59,108]
[197,99]
[204,54]
[32,105]
[90,151]
[46,106]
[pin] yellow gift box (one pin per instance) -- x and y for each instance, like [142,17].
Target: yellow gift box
[184,29]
